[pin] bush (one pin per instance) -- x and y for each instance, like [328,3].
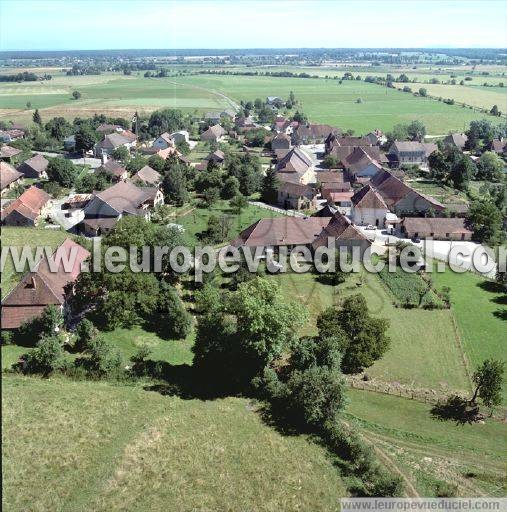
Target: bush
[103,360]
[85,332]
[315,396]
[7,337]
[47,357]
[50,320]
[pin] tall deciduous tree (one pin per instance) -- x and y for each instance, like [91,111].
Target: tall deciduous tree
[366,336]
[488,380]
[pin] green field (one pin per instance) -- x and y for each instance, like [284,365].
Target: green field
[423,352]
[477,305]
[195,221]
[96,446]
[323,100]
[426,450]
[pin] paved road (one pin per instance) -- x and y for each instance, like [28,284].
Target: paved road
[92,162]
[289,213]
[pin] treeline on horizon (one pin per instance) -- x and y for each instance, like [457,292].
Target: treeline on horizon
[330,53]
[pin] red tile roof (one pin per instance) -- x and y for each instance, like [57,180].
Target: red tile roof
[43,286]
[29,203]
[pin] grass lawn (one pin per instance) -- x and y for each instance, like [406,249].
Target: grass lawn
[428,450]
[130,340]
[96,446]
[423,350]
[197,219]
[19,237]
[477,305]
[442,193]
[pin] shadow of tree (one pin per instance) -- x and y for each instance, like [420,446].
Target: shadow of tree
[181,380]
[457,409]
[501,313]
[492,286]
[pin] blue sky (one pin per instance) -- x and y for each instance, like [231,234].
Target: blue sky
[116,24]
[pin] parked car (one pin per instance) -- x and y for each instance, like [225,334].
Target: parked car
[370,226]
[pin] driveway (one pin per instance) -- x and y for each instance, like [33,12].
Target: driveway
[92,162]
[436,249]
[57,215]
[315,152]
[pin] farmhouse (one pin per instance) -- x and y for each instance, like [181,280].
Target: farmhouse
[27,209]
[163,141]
[34,167]
[410,152]
[368,207]
[280,141]
[312,232]
[457,140]
[115,169]
[312,133]
[399,197]
[216,157]
[359,164]
[297,163]
[275,101]
[7,153]
[113,141]
[147,176]
[244,124]
[442,228]
[213,134]
[334,140]
[295,195]
[11,135]
[9,177]
[124,198]
[43,287]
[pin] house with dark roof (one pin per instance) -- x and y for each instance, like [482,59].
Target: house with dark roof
[124,198]
[313,133]
[27,209]
[214,133]
[438,228]
[216,157]
[280,141]
[9,177]
[457,140]
[334,140]
[115,169]
[404,152]
[47,284]
[34,167]
[147,177]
